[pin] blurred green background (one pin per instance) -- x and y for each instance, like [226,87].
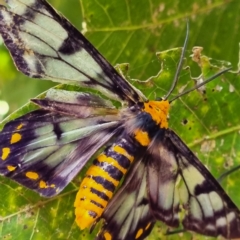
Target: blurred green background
[132,31]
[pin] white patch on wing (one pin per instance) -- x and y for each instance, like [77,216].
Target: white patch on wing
[195,209]
[49,34]
[51,27]
[48,139]
[221,222]
[130,200]
[166,195]
[44,129]
[176,216]
[59,155]
[19,7]
[216,201]
[192,177]
[206,205]
[59,70]
[183,193]
[77,134]
[137,215]
[7,18]
[36,45]
[127,223]
[37,155]
[140,213]
[231,216]
[87,63]
[210,227]
[170,159]
[176,196]
[142,190]
[27,2]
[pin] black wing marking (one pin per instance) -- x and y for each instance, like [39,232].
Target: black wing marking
[44,150]
[44,44]
[179,185]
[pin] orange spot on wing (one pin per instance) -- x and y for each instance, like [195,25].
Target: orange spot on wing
[107,236]
[147,227]
[42,184]
[19,126]
[139,233]
[32,175]
[11,168]
[16,137]
[5,153]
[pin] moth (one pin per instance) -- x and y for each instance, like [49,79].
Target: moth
[45,149]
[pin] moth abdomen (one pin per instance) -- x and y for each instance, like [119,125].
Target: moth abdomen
[102,178]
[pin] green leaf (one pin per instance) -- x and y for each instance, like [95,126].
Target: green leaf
[132,31]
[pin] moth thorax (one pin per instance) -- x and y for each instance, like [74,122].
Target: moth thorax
[158,111]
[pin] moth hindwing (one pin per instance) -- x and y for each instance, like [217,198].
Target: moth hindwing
[45,149]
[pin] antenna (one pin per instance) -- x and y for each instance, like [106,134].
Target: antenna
[201,84]
[179,67]
[228,173]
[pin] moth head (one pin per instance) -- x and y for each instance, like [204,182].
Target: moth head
[159,111]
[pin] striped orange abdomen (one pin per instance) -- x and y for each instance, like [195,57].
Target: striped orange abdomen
[101,180]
